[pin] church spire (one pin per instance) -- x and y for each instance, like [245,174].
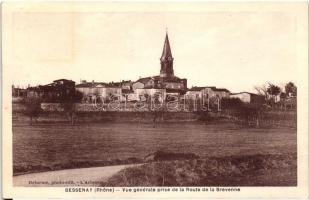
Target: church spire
[166,60]
[166,49]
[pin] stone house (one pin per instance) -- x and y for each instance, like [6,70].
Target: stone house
[142,93]
[111,93]
[248,97]
[90,90]
[221,92]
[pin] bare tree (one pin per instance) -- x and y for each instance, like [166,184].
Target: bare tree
[262,90]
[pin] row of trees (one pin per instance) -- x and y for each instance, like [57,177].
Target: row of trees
[273,93]
[256,113]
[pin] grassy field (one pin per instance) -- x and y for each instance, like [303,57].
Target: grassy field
[44,147]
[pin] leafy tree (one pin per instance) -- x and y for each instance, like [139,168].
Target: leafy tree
[33,108]
[291,89]
[69,109]
[228,103]
[78,96]
[68,105]
[273,90]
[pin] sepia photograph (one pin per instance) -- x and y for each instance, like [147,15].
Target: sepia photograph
[109,96]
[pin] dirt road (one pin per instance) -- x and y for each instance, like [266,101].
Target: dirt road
[71,177]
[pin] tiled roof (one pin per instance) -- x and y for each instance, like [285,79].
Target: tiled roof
[221,90]
[146,79]
[66,80]
[90,84]
[172,79]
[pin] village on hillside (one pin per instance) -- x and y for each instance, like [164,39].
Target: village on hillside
[163,88]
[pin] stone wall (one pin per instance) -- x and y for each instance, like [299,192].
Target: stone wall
[115,106]
[86,117]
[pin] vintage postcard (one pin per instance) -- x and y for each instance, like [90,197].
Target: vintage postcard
[155,100]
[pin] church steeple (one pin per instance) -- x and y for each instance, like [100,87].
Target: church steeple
[166,49]
[166,60]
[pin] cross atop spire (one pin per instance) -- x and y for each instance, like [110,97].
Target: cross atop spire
[167,53]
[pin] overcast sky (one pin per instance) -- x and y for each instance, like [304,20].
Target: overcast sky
[235,50]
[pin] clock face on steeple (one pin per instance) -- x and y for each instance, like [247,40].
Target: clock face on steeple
[169,58]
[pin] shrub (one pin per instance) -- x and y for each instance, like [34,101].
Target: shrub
[244,112]
[211,171]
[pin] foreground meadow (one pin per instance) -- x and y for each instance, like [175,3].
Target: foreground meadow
[46,147]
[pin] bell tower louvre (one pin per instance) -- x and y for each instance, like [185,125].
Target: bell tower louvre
[166,60]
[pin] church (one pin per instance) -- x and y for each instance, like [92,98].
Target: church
[166,81]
